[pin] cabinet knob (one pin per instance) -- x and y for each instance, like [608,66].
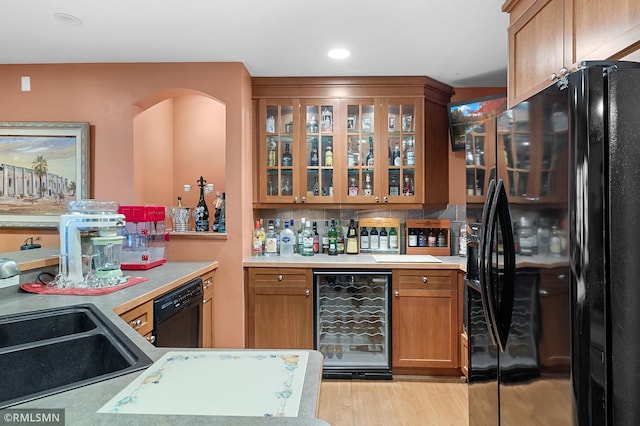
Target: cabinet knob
[307,292]
[151,339]
[553,76]
[425,279]
[564,71]
[295,199]
[397,293]
[207,283]
[204,301]
[386,199]
[136,323]
[279,277]
[304,199]
[377,199]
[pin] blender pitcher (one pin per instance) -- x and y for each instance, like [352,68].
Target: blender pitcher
[108,251]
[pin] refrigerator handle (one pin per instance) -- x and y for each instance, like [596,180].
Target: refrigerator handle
[503,304]
[484,259]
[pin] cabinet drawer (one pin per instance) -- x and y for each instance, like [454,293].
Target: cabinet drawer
[140,318]
[424,279]
[280,277]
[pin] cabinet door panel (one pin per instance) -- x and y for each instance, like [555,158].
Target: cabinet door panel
[424,329]
[283,319]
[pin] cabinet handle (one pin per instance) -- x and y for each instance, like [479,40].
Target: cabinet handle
[135,323]
[279,277]
[307,292]
[425,279]
[304,199]
[397,293]
[386,199]
[151,339]
[377,199]
[295,199]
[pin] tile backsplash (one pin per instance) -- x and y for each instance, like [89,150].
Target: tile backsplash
[455,213]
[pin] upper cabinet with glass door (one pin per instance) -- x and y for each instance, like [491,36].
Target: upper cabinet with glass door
[321,135]
[279,153]
[402,152]
[360,152]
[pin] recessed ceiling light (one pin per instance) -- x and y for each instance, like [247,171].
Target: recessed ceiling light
[339,53]
[65,18]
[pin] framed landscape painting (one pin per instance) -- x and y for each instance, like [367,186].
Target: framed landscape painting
[43,165]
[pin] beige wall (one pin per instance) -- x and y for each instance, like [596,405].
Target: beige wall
[109,97]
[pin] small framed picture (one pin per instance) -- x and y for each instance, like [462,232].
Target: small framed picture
[366,124]
[406,122]
[351,122]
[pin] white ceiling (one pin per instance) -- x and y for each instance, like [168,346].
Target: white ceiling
[460,42]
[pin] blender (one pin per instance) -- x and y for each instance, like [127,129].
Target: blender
[144,237]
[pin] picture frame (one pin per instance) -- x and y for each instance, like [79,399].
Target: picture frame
[464,116]
[43,165]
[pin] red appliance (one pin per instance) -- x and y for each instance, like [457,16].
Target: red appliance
[145,237]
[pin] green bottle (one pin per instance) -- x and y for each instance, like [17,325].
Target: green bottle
[333,239]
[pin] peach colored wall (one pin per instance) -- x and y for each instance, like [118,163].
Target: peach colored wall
[457,190]
[109,96]
[152,154]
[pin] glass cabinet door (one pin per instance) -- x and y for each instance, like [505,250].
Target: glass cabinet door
[279,153]
[402,156]
[320,155]
[361,152]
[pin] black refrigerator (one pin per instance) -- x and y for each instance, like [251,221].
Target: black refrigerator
[552,305]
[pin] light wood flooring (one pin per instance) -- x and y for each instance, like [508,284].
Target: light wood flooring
[393,402]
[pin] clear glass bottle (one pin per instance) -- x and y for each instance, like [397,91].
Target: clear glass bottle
[299,236]
[353,188]
[396,155]
[307,240]
[271,241]
[368,189]
[287,241]
[410,154]
[394,186]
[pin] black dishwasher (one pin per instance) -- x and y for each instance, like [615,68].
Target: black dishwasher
[177,317]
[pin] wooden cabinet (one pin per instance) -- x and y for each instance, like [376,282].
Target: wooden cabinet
[141,319]
[314,147]
[546,36]
[279,308]
[425,320]
[464,354]
[208,335]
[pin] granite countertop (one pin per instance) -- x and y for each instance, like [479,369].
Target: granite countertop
[81,404]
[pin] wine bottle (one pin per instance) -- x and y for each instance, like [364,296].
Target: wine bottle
[374,239]
[313,157]
[222,227]
[287,158]
[352,238]
[328,155]
[393,238]
[413,238]
[364,240]
[369,161]
[384,239]
[202,212]
[333,239]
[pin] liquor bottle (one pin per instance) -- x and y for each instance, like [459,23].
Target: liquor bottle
[364,240]
[441,241]
[422,238]
[333,239]
[299,236]
[202,212]
[396,155]
[394,186]
[287,158]
[462,241]
[340,241]
[353,188]
[431,239]
[222,226]
[257,241]
[384,239]
[263,235]
[413,238]
[316,238]
[410,154]
[179,201]
[352,238]
[271,152]
[271,241]
[367,190]
[369,161]
[407,190]
[313,157]
[287,239]
[217,204]
[328,155]
[307,240]
[393,238]
[325,238]
[374,239]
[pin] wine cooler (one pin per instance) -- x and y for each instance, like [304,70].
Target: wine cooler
[352,327]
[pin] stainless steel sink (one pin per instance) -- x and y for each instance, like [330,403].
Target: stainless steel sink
[51,351]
